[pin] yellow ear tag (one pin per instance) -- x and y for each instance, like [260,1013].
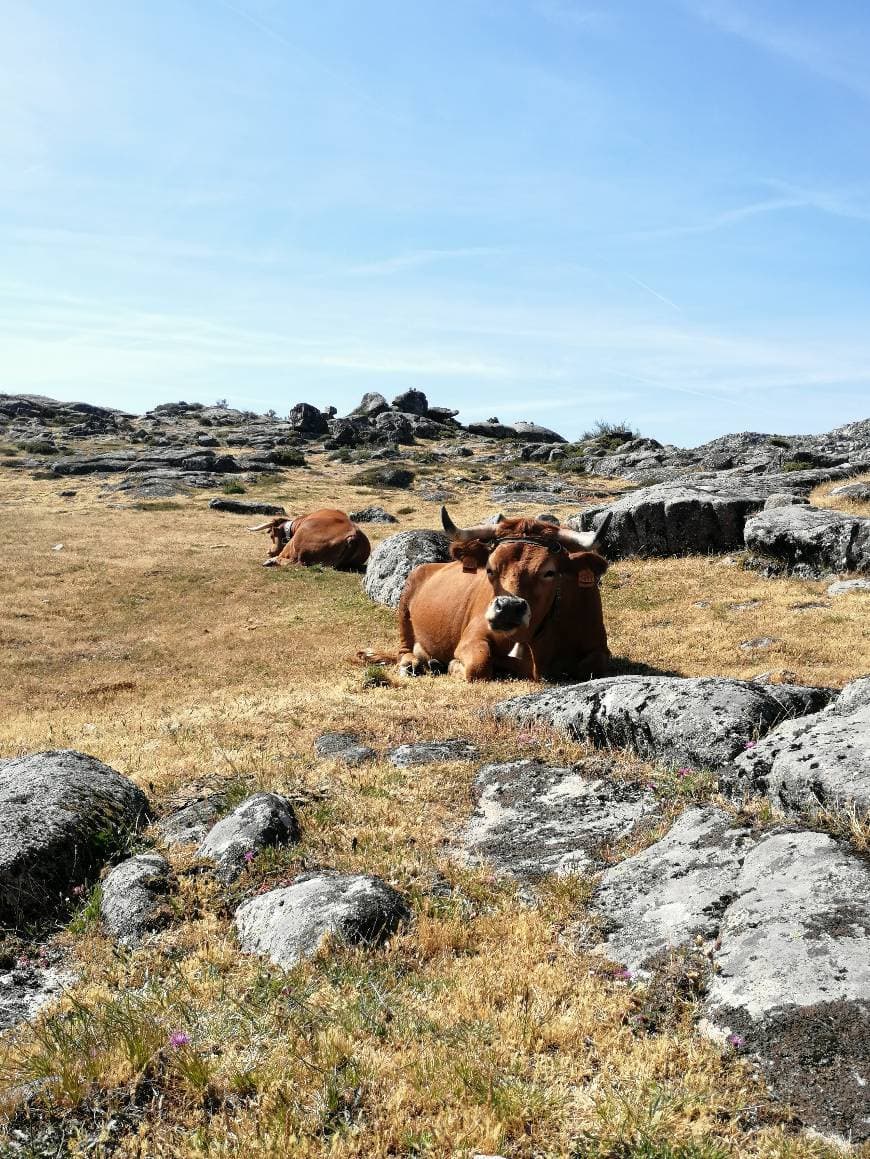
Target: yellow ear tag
[586,578]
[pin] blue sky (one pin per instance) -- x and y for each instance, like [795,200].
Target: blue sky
[652,210]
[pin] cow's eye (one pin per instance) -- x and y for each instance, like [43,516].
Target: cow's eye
[549,574]
[490,571]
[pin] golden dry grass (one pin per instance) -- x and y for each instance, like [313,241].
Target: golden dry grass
[822,497]
[155,641]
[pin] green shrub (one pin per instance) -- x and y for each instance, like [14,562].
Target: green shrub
[234,488]
[287,457]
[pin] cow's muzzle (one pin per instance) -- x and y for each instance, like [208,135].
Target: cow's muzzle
[508,612]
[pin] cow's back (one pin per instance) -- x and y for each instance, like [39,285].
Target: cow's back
[329,537]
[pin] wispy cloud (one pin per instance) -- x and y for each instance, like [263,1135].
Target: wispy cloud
[576,17]
[655,293]
[414,259]
[811,53]
[727,218]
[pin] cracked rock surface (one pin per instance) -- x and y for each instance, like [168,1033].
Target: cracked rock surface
[702,722]
[532,819]
[815,761]
[810,542]
[674,891]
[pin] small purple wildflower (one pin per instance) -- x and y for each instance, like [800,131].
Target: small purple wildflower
[650,786]
[736,1040]
[179,1038]
[684,772]
[249,856]
[625,975]
[750,744]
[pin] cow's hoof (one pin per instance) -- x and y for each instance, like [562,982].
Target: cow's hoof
[436,668]
[457,668]
[270,563]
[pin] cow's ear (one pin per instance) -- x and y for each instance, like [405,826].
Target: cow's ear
[587,566]
[471,553]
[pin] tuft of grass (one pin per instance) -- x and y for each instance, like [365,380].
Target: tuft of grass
[234,487]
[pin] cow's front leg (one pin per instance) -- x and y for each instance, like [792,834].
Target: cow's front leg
[472,661]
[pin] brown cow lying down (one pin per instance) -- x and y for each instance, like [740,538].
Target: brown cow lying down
[326,537]
[522,598]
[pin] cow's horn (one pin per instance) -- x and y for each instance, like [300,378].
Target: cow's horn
[261,526]
[584,540]
[486,531]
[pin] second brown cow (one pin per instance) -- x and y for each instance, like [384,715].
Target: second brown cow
[326,537]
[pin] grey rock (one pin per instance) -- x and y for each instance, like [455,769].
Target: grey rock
[290,924]
[191,823]
[856,492]
[815,761]
[537,434]
[443,415]
[845,587]
[262,820]
[793,976]
[372,515]
[27,989]
[810,542]
[674,891]
[411,402]
[395,557]
[307,419]
[783,499]
[492,430]
[531,819]
[394,428]
[238,507]
[133,901]
[399,477]
[759,643]
[371,405]
[433,752]
[344,747]
[699,722]
[61,813]
[673,519]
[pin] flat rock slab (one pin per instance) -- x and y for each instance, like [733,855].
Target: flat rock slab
[434,752]
[345,747]
[133,901]
[192,822]
[703,723]
[239,507]
[395,557]
[810,542]
[856,492]
[262,820]
[793,976]
[847,587]
[290,924]
[674,891]
[26,989]
[786,919]
[532,819]
[674,519]
[61,815]
[815,761]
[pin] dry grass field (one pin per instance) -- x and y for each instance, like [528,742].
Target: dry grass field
[154,640]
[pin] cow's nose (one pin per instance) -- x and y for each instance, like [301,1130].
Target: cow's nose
[507,612]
